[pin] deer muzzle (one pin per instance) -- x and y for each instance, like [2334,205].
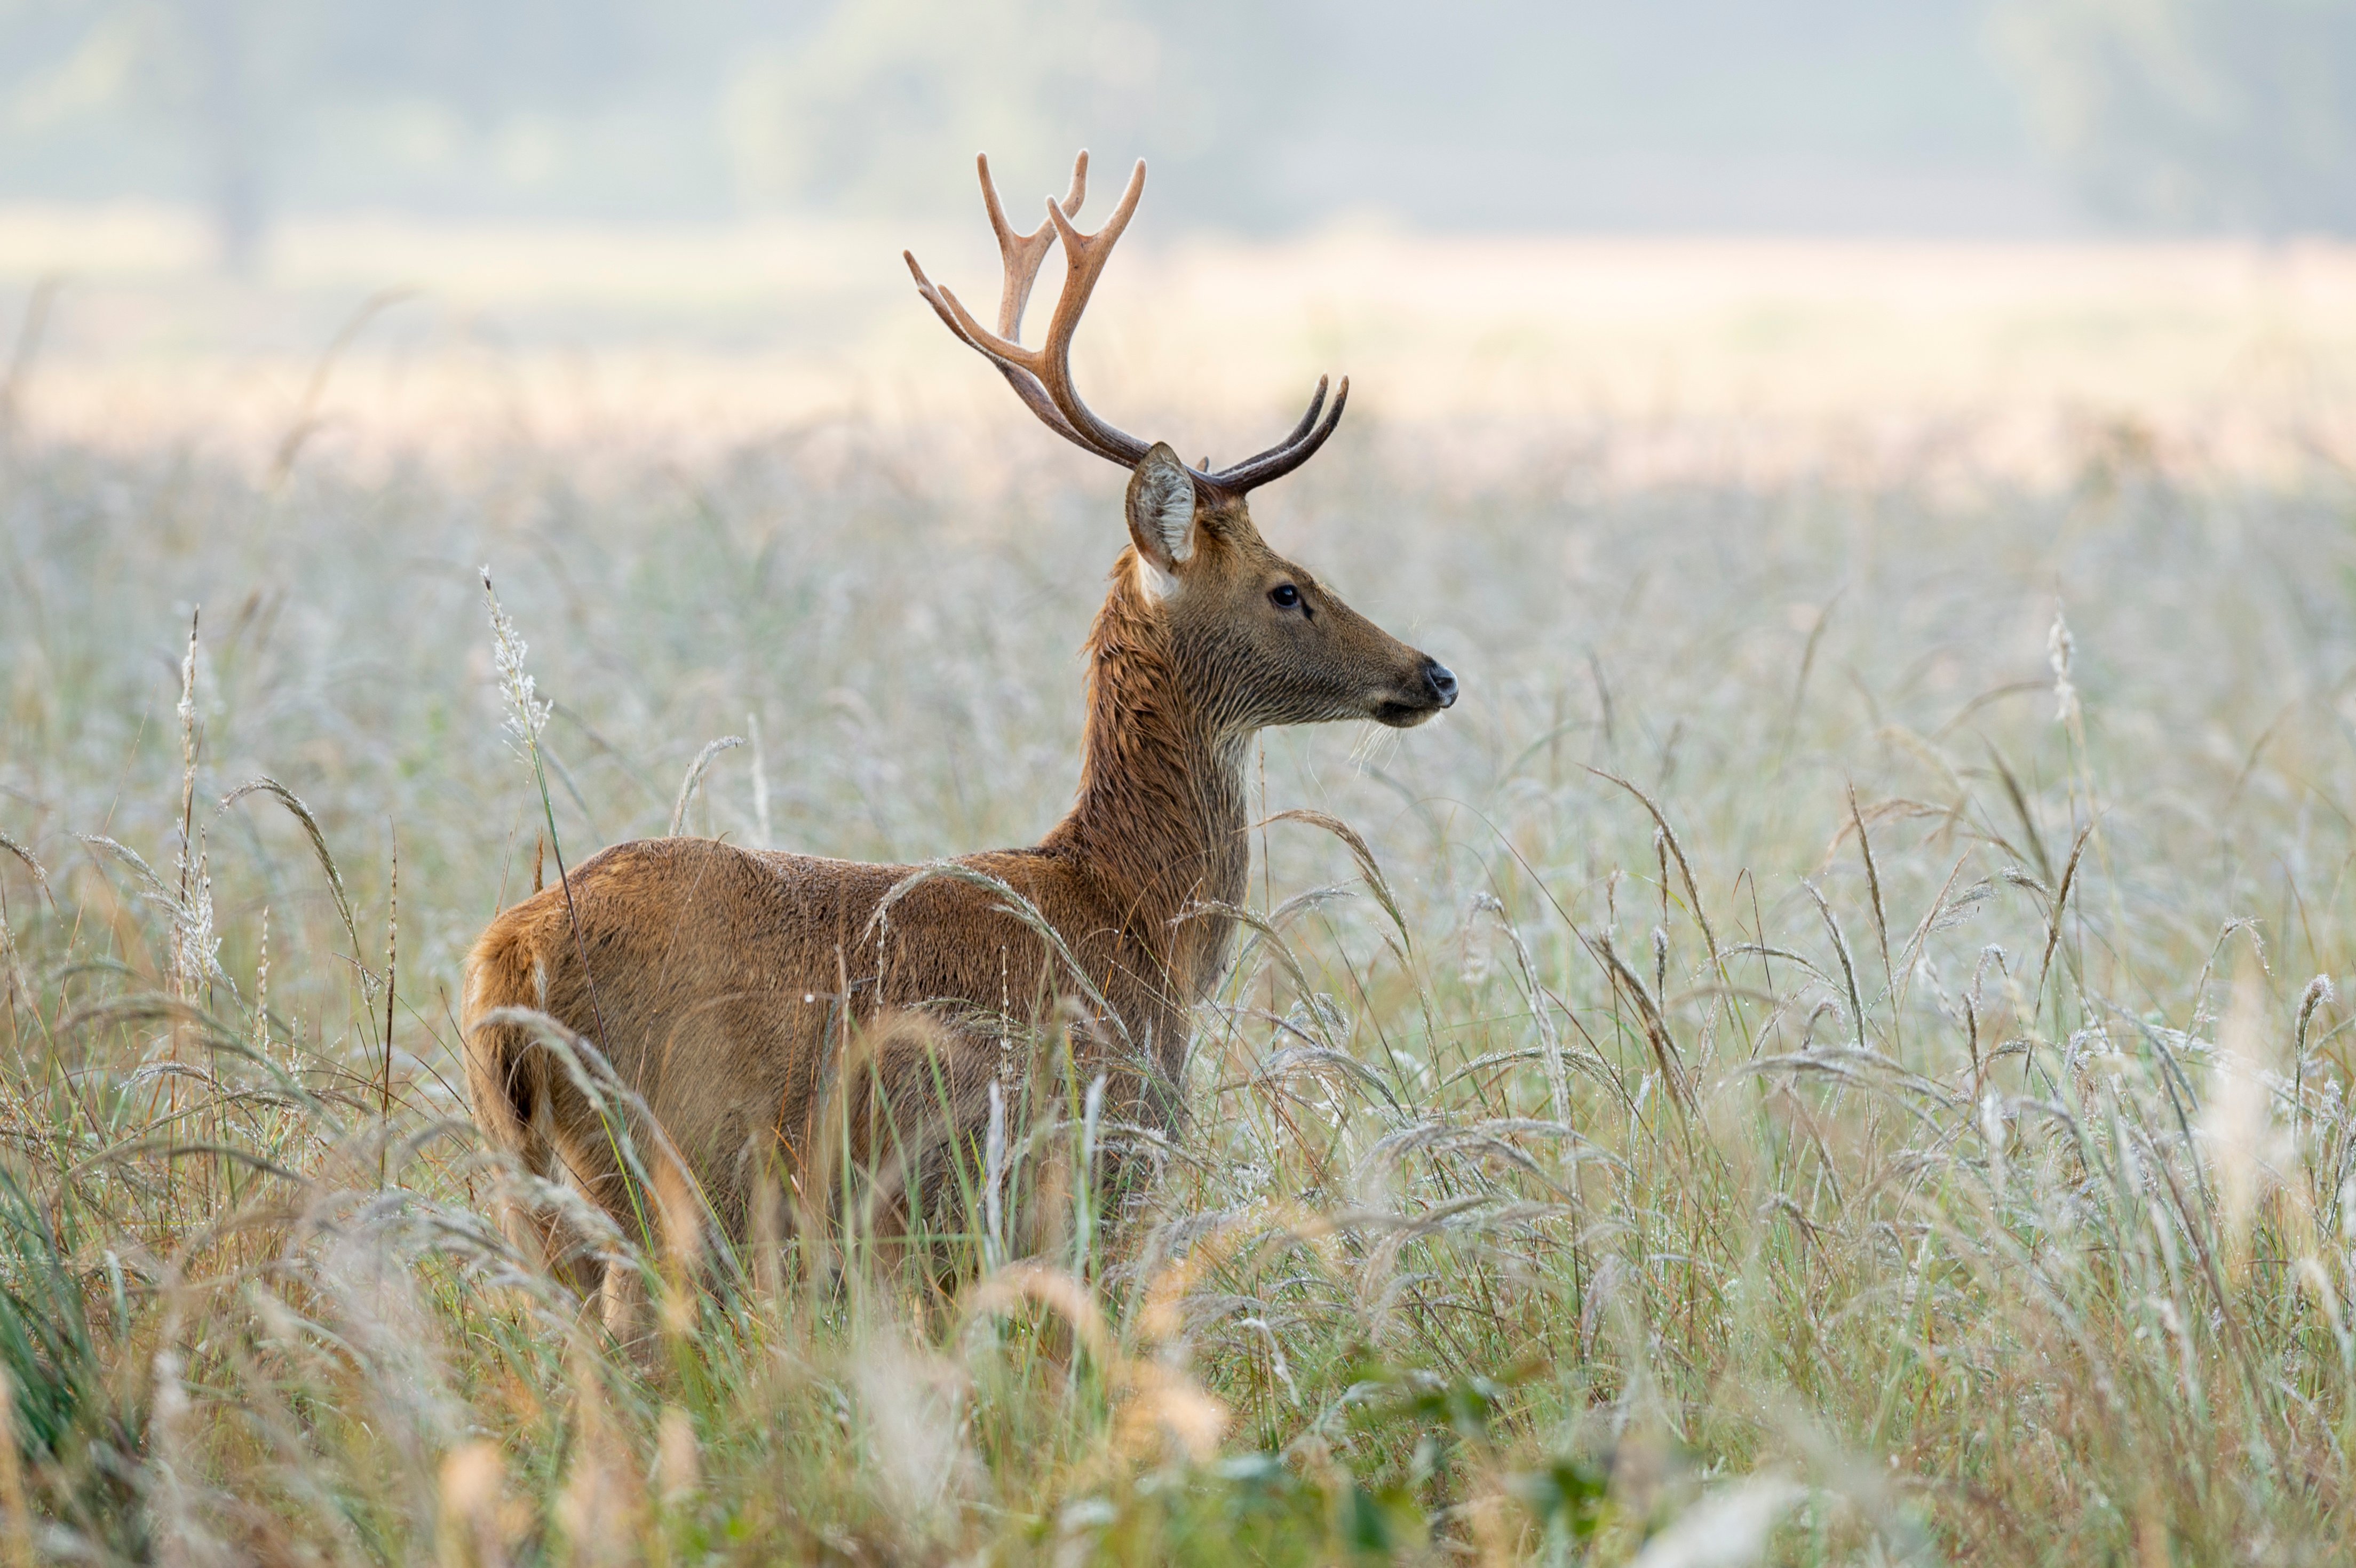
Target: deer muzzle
[1431,689]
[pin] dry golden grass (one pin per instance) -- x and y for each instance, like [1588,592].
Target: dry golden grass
[1923,1139]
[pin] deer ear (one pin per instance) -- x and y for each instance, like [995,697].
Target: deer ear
[1162,508]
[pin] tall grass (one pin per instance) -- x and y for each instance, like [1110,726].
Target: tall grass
[1829,1051]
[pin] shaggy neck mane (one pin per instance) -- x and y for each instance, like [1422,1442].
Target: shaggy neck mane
[1159,816]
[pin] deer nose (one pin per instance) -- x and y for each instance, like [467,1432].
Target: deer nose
[1442,681]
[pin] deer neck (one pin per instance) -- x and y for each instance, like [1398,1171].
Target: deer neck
[1160,818]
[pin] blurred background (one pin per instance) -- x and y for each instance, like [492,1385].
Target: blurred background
[612,215]
[1937,117]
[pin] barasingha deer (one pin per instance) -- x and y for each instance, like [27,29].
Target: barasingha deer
[740,993]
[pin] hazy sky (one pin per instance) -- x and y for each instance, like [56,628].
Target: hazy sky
[1916,117]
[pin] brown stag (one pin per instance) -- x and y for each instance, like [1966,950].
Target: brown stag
[739,993]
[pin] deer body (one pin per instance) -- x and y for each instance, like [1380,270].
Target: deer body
[724,984]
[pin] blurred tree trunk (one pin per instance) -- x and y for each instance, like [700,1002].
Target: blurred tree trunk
[228,124]
[2196,113]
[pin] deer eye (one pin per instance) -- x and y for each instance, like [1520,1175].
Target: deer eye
[1284,596]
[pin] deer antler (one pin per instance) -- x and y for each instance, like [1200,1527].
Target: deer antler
[1290,453]
[1042,377]
[1021,255]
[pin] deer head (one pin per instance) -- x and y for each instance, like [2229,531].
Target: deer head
[1255,640]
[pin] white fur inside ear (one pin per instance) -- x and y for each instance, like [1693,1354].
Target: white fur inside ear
[1153,583]
[1169,510]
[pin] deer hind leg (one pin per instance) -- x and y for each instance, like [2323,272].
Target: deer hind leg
[502,1085]
[529,1107]
[586,1142]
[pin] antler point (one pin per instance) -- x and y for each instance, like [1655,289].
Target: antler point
[1042,376]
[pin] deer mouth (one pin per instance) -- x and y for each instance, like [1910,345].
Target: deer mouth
[1433,689]
[1405,715]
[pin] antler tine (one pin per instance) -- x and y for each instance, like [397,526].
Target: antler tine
[1022,254]
[1308,420]
[1084,260]
[1316,405]
[1026,385]
[1296,450]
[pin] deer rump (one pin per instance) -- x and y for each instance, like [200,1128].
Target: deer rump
[778,1032]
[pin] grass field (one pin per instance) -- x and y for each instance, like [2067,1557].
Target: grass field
[1834,1057]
